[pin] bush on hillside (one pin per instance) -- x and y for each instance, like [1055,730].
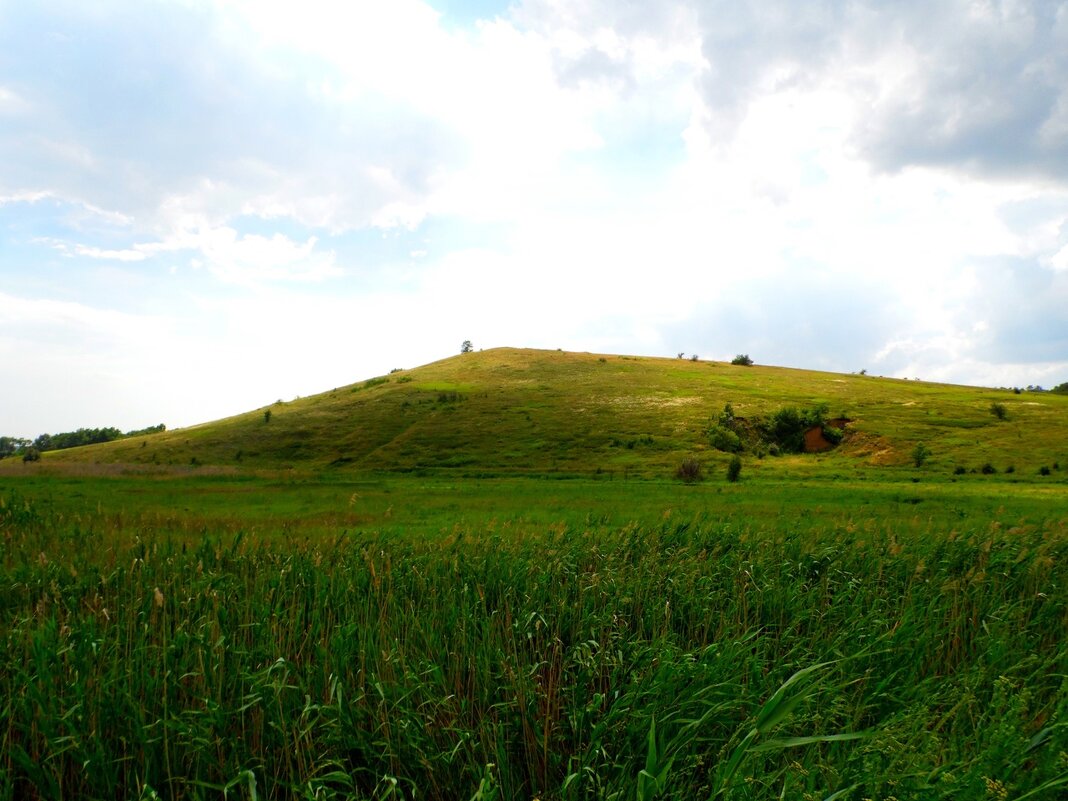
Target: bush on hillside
[999,411]
[689,470]
[723,439]
[734,468]
[743,360]
[786,427]
[920,454]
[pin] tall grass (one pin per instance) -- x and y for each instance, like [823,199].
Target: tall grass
[696,660]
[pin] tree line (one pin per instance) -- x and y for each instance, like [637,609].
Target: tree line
[19,446]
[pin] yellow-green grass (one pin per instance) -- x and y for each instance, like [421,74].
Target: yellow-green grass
[511,411]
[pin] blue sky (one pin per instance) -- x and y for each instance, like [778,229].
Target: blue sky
[207,206]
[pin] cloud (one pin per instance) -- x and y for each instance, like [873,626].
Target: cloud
[974,86]
[841,184]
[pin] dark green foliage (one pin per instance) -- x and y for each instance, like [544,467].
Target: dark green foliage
[9,446]
[833,435]
[786,428]
[723,439]
[959,470]
[31,454]
[140,432]
[689,471]
[743,360]
[266,415]
[734,468]
[466,347]
[1043,470]
[75,439]
[1061,389]
[920,454]
[988,469]
[998,410]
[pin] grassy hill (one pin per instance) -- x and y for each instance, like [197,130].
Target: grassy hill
[533,412]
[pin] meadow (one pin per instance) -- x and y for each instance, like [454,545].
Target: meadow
[478,579]
[212,634]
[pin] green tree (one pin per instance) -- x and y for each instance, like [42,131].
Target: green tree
[466,347]
[920,454]
[742,359]
[734,468]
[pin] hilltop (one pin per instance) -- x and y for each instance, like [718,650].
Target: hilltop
[520,411]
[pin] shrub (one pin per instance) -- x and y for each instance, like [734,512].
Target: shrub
[988,469]
[998,410]
[920,454]
[31,455]
[959,470]
[466,347]
[1043,470]
[742,359]
[833,435]
[787,429]
[734,468]
[267,416]
[723,439]
[689,470]
[694,358]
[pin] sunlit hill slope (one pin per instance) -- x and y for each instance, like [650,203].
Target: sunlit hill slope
[535,412]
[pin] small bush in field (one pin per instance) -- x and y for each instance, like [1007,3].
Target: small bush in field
[734,468]
[689,470]
[920,454]
[999,411]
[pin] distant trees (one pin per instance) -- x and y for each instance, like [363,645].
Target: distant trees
[1061,389]
[140,432]
[466,347]
[743,360]
[9,446]
[15,446]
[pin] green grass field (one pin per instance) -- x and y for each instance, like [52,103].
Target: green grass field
[495,597]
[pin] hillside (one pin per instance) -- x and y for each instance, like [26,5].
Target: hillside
[526,411]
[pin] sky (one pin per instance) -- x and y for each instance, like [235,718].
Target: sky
[209,206]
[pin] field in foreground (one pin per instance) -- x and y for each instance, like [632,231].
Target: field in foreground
[246,636]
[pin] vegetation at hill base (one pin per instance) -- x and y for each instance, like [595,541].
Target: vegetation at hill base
[17,446]
[528,574]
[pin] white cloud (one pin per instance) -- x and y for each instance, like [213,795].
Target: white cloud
[847,185]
